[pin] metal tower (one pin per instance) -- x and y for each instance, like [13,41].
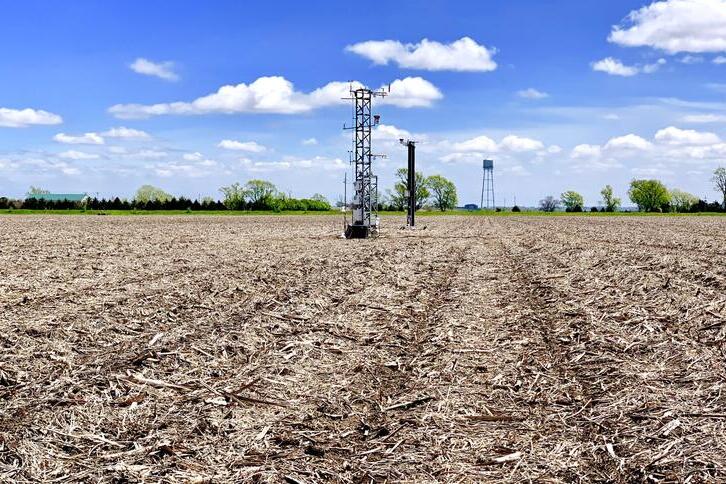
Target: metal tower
[411,183]
[364,217]
[487,186]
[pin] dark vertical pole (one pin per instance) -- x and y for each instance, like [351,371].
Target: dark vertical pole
[411,183]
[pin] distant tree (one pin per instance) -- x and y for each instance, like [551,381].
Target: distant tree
[443,192]
[148,193]
[719,183]
[649,195]
[611,202]
[682,201]
[396,198]
[37,191]
[422,190]
[549,204]
[234,196]
[320,198]
[572,201]
[516,209]
[260,193]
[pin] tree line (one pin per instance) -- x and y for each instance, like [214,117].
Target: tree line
[253,195]
[648,195]
[434,191]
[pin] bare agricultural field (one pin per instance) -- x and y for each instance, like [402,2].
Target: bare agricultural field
[233,349]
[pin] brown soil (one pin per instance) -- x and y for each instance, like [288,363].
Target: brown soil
[228,349]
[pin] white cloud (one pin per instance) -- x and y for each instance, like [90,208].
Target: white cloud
[519,144]
[675,26]
[464,54]
[277,95]
[310,142]
[705,118]
[162,70]
[611,117]
[676,136]
[390,132]
[126,133]
[196,156]
[248,146]
[719,60]
[614,67]
[412,92]
[78,155]
[84,139]
[585,151]
[479,144]
[22,118]
[554,149]
[628,142]
[532,93]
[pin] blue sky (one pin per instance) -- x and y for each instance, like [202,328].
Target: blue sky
[561,94]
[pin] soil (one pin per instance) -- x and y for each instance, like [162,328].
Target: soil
[236,349]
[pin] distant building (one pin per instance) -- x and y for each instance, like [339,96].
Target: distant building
[59,197]
[471,206]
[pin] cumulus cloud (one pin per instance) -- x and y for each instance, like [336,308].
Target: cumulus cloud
[412,92]
[78,155]
[675,136]
[162,70]
[278,95]
[310,142]
[390,132]
[464,54]
[22,118]
[83,139]
[248,146]
[126,133]
[615,67]
[519,144]
[481,143]
[532,93]
[719,60]
[585,151]
[675,26]
[628,142]
[196,156]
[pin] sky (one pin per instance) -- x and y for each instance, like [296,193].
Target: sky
[104,96]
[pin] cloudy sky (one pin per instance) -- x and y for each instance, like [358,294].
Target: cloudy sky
[101,96]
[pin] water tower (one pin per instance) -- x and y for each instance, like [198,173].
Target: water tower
[487,186]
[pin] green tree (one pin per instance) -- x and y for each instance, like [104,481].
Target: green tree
[611,202]
[649,195]
[37,191]
[572,201]
[396,198]
[422,191]
[320,198]
[549,204]
[719,182]
[682,201]
[443,192]
[234,196]
[260,193]
[150,193]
